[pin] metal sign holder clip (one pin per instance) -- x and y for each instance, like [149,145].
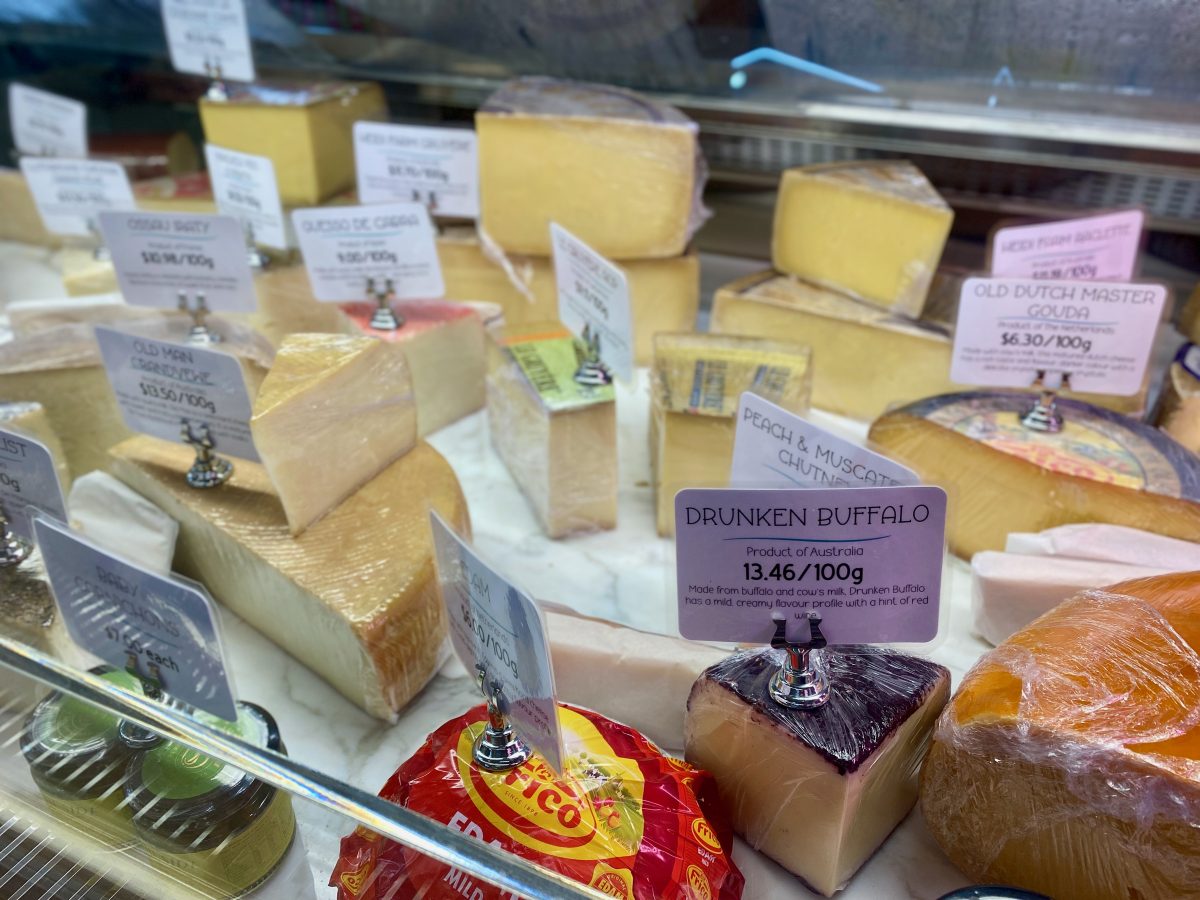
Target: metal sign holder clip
[199,334]
[385,318]
[208,470]
[800,682]
[1044,416]
[13,549]
[498,749]
[592,371]
[217,90]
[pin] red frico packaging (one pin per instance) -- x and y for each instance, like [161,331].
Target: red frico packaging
[624,819]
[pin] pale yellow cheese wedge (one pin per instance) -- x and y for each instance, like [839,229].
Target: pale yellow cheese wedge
[1179,414]
[354,597]
[332,413]
[872,229]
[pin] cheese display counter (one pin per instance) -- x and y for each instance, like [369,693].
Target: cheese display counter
[702,450]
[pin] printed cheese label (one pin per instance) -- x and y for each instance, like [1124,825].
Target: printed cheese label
[775,448]
[159,256]
[549,362]
[245,188]
[438,167]
[209,37]
[45,124]
[125,614]
[498,630]
[29,482]
[1094,248]
[71,193]
[170,391]
[1097,334]
[593,300]
[868,560]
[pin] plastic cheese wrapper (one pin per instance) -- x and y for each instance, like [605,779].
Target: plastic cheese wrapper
[1067,761]
[624,818]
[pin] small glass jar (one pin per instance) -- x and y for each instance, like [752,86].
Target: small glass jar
[79,762]
[206,823]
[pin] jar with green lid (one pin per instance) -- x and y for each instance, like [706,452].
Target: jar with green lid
[79,762]
[206,823]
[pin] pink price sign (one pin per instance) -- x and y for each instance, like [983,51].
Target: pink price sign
[1096,248]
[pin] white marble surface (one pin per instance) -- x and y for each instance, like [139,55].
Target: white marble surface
[626,574]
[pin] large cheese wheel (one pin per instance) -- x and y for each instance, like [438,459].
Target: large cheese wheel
[1069,760]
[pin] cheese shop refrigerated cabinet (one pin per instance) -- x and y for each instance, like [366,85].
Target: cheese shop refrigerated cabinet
[106,794]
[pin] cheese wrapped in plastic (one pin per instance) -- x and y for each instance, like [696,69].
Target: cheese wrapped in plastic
[620,171]
[1005,477]
[1066,762]
[556,435]
[623,818]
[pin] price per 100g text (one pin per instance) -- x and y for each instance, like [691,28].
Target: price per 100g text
[171,395]
[1042,339]
[170,258]
[811,571]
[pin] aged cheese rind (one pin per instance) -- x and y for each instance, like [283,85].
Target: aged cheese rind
[121,520]
[1001,477]
[872,229]
[866,360]
[696,385]
[664,294]
[558,439]
[1010,590]
[446,353]
[817,790]
[1066,762]
[306,131]
[332,413]
[354,597]
[621,172]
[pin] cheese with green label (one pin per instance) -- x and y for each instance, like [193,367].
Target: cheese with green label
[332,413]
[1003,477]
[305,130]
[621,172]
[664,294]
[697,382]
[354,596]
[872,229]
[557,437]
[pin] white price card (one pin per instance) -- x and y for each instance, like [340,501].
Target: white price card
[45,124]
[495,625]
[1094,248]
[344,246]
[162,386]
[71,193]
[593,293]
[29,482]
[245,188]
[438,167]
[157,255]
[1099,333]
[776,448]
[166,626]
[209,37]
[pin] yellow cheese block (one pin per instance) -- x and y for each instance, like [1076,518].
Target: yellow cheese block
[19,217]
[1003,477]
[1179,414]
[866,360]
[286,306]
[331,399]
[872,229]
[557,437]
[620,171]
[83,274]
[354,597]
[305,130]
[61,369]
[664,294]
[697,382]
[1066,762]
[31,419]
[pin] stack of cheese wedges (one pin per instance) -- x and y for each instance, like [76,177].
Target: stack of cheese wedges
[620,171]
[326,546]
[1066,762]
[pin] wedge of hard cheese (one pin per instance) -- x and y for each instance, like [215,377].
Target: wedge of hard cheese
[817,790]
[1009,590]
[872,229]
[1003,477]
[286,306]
[620,171]
[354,597]
[444,345]
[557,437]
[696,384]
[1179,413]
[332,413]
[121,520]
[83,274]
[1066,762]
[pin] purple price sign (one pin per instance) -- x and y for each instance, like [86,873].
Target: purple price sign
[869,560]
